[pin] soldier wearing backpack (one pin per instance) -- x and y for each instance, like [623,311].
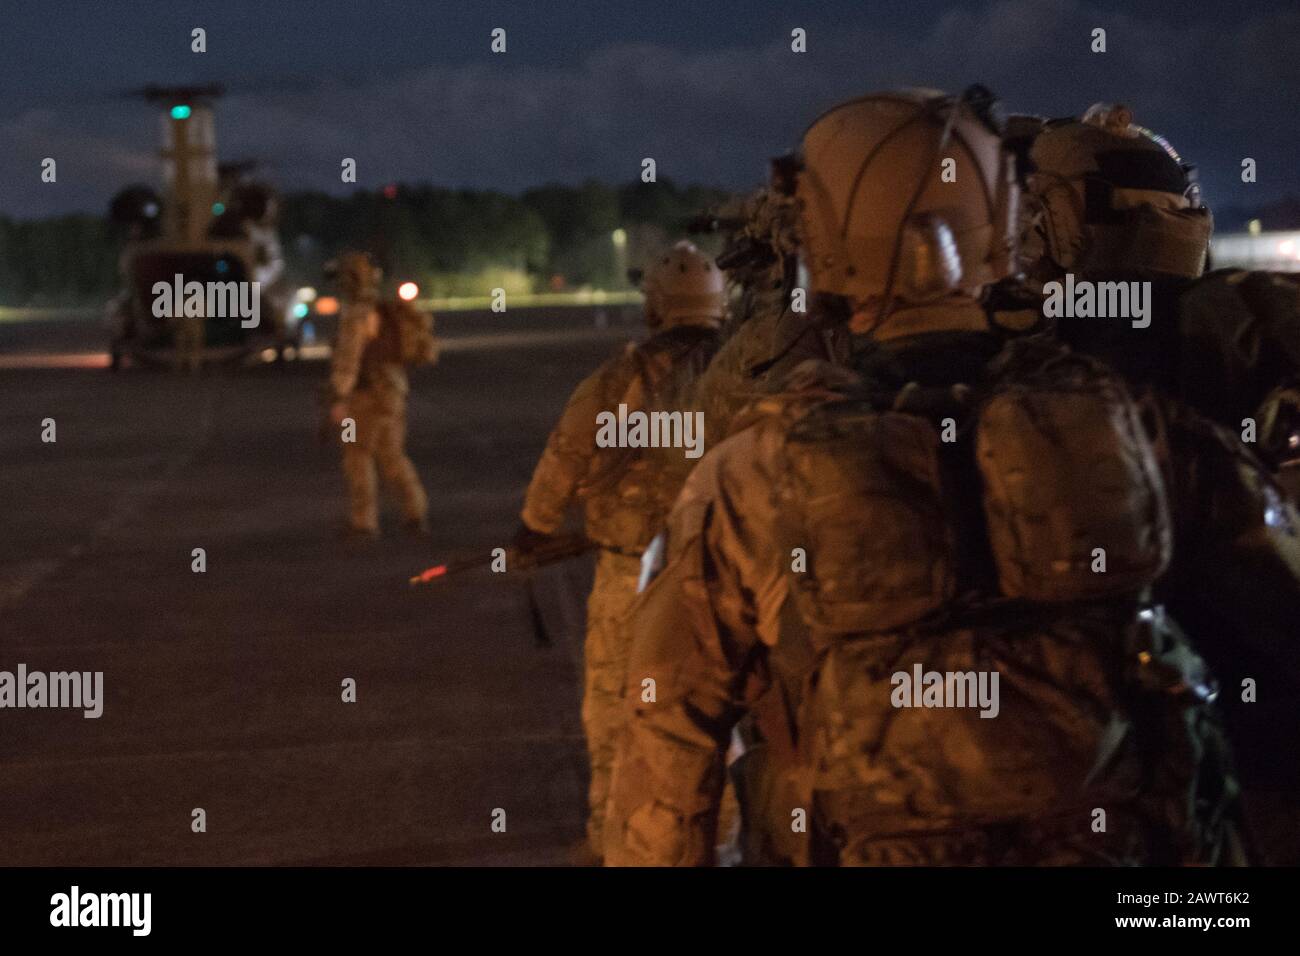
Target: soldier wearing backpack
[928,576]
[625,492]
[1110,201]
[767,335]
[377,341]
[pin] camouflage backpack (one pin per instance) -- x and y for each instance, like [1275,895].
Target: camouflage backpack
[995,540]
[1240,355]
[640,484]
[407,333]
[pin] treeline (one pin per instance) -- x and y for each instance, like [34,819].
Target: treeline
[453,242]
[62,261]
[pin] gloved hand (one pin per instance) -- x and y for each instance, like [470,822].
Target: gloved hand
[526,540]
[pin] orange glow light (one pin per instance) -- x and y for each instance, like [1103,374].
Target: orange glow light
[408,291]
[327,305]
[428,574]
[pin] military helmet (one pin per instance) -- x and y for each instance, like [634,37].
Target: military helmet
[357,274]
[906,197]
[1106,195]
[685,287]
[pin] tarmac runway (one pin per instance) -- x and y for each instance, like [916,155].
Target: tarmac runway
[222,690]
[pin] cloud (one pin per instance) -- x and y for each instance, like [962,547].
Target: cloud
[92,163]
[715,116]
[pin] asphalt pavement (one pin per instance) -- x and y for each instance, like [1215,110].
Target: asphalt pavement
[223,690]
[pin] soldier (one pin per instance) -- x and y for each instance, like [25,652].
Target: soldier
[1110,201]
[624,491]
[369,385]
[769,334]
[968,506]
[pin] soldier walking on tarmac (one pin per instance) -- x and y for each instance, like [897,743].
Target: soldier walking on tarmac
[369,386]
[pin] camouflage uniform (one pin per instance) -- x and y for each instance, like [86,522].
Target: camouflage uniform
[1239,358]
[836,541]
[1114,203]
[366,376]
[625,498]
[765,338]
[743,370]
[713,632]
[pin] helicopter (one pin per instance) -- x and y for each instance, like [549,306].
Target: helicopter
[213,224]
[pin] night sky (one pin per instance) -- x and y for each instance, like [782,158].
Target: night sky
[709,88]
